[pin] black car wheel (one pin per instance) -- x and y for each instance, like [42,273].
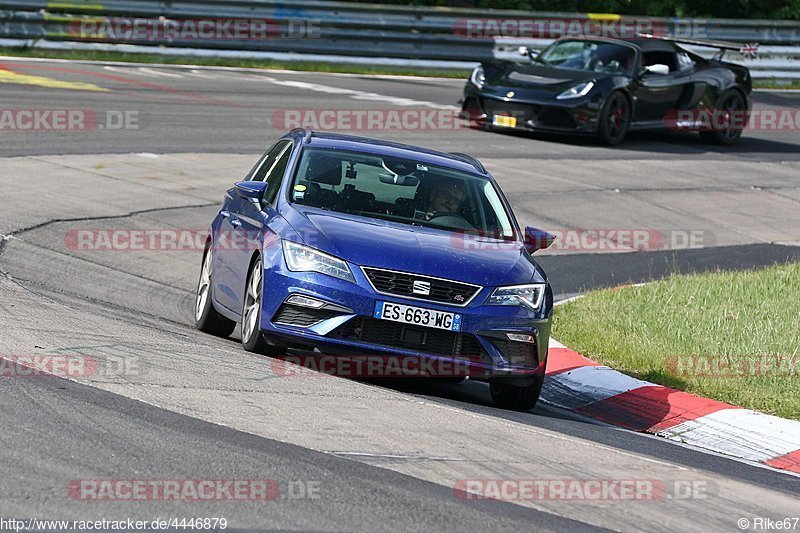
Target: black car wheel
[516,397]
[206,317]
[615,119]
[728,121]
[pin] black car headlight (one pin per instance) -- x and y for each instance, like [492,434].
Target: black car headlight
[582,89]
[530,295]
[301,258]
[477,78]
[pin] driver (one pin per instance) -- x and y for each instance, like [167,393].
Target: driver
[446,197]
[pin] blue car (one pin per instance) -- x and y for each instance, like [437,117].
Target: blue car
[354,247]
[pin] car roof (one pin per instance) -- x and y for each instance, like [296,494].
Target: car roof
[645,44]
[455,161]
[652,45]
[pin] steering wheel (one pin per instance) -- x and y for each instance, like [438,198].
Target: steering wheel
[458,220]
[437,214]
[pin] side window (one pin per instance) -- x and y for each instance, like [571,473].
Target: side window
[251,175]
[268,161]
[274,176]
[684,61]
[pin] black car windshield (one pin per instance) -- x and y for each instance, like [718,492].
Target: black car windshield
[588,55]
[400,190]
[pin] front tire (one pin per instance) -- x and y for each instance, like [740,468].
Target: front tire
[516,397]
[252,338]
[615,119]
[206,318]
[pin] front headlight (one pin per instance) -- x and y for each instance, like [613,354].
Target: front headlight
[582,89]
[530,296]
[301,258]
[477,78]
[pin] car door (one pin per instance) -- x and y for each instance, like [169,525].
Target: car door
[251,220]
[225,266]
[658,94]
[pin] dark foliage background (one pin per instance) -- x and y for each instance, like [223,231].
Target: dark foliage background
[749,9]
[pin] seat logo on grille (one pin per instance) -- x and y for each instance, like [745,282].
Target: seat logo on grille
[421,287]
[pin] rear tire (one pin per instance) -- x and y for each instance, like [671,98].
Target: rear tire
[730,111]
[516,397]
[252,338]
[615,119]
[206,318]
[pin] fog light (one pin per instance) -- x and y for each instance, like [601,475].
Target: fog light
[305,301]
[521,337]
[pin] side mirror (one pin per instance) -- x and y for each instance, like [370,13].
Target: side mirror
[537,239]
[657,69]
[251,190]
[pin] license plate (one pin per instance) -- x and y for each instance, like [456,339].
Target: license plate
[417,316]
[502,120]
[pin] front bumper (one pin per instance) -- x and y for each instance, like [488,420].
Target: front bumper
[534,112]
[346,326]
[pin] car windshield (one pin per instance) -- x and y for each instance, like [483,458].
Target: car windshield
[400,190]
[593,56]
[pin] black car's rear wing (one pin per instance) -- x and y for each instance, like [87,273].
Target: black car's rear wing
[723,46]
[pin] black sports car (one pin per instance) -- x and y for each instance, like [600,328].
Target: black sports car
[607,87]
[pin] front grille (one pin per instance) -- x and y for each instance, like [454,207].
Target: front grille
[402,284]
[517,353]
[522,112]
[293,315]
[387,333]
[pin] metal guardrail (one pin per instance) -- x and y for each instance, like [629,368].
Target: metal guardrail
[361,30]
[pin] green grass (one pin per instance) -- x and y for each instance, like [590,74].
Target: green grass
[231,62]
[642,331]
[775,84]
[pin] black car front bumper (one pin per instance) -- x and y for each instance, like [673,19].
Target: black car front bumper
[531,114]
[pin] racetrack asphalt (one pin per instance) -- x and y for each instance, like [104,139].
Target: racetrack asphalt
[387,454]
